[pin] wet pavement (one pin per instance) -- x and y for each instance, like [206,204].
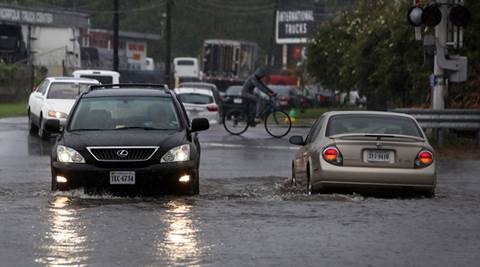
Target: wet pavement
[246,215]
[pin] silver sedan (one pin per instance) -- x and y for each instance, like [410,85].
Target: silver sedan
[365,149]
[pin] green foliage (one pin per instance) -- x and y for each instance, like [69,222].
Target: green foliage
[370,48]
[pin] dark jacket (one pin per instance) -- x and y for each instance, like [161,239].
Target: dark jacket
[252,82]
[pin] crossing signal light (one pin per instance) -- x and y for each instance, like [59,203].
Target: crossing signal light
[431,16]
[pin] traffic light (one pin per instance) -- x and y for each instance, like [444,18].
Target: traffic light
[431,15]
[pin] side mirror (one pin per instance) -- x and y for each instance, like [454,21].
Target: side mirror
[297,140]
[52,126]
[199,124]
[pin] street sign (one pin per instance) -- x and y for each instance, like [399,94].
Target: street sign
[294,26]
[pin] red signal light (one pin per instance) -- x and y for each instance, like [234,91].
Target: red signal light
[424,159]
[212,108]
[332,155]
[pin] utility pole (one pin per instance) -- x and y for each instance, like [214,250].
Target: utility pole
[438,93]
[115,35]
[168,41]
[273,41]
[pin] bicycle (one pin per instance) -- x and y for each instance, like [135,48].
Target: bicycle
[276,121]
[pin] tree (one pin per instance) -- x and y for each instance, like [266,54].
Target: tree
[371,49]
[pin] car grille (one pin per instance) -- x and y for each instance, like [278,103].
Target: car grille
[143,153]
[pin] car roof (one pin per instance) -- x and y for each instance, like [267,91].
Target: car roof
[127,92]
[199,84]
[186,90]
[365,112]
[97,72]
[72,80]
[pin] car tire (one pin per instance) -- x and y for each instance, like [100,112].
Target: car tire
[32,128]
[309,187]
[428,193]
[41,131]
[294,178]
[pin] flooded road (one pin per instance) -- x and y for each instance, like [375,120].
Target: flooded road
[247,214]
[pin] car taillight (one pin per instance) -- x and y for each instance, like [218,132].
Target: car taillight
[424,159]
[332,155]
[212,108]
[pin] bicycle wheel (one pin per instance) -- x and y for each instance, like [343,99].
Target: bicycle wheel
[278,123]
[235,121]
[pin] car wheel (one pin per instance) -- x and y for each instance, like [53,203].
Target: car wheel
[32,128]
[309,189]
[41,131]
[294,178]
[428,193]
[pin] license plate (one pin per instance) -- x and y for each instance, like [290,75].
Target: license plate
[237,100]
[378,156]
[122,177]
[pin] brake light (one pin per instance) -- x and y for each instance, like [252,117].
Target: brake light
[424,159]
[212,108]
[332,155]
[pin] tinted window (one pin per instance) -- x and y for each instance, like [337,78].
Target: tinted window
[234,90]
[185,63]
[195,98]
[100,78]
[372,124]
[113,113]
[66,90]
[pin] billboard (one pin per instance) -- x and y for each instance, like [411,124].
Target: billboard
[294,26]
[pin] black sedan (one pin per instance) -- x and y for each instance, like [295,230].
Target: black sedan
[127,137]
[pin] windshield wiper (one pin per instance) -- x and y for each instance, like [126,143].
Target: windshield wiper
[136,127]
[77,130]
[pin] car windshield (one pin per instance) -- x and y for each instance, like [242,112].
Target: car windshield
[103,79]
[66,90]
[192,98]
[234,90]
[115,113]
[372,124]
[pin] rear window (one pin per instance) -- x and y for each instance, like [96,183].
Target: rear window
[100,78]
[372,124]
[234,90]
[185,63]
[66,90]
[195,99]
[114,113]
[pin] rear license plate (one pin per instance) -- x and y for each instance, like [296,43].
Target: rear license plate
[379,156]
[237,100]
[122,177]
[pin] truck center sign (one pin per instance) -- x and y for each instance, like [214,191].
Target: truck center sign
[294,26]
[30,16]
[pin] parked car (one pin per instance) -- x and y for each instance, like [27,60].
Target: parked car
[103,76]
[365,149]
[233,97]
[53,100]
[127,138]
[199,103]
[210,86]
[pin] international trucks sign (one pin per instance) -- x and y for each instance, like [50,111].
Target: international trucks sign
[294,26]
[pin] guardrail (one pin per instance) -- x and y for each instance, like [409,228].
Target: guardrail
[458,119]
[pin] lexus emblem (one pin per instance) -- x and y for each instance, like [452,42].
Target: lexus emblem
[122,153]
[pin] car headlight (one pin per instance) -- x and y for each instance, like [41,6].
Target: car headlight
[179,153]
[68,155]
[57,114]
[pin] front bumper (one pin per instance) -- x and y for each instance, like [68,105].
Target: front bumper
[151,178]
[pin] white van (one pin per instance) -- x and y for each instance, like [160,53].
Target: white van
[186,67]
[103,76]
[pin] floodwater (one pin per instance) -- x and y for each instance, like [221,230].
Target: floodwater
[247,214]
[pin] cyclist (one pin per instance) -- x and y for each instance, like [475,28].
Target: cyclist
[255,80]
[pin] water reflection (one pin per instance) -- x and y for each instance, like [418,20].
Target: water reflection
[179,243]
[66,246]
[38,146]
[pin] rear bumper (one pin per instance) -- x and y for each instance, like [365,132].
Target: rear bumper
[331,175]
[154,177]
